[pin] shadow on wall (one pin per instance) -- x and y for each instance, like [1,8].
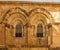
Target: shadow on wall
[56,48]
[3,48]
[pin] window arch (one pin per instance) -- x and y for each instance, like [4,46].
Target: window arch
[19,30]
[39,30]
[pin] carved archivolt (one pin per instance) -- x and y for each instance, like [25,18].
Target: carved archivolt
[43,13]
[20,13]
[28,17]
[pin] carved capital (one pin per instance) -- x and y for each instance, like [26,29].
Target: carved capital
[49,25]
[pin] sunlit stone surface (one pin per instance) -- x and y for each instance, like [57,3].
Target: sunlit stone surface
[29,26]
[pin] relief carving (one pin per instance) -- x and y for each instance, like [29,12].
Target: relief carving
[29,19]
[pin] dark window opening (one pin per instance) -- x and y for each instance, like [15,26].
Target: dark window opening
[39,34]
[18,30]
[40,30]
[18,34]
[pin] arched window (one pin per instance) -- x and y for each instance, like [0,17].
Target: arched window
[18,30]
[40,30]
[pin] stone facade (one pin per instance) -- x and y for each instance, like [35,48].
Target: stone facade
[29,14]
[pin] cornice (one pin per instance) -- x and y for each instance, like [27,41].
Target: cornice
[29,2]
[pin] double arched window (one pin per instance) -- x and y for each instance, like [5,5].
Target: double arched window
[39,30]
[19,30]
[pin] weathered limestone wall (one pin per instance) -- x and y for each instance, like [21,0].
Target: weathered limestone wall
[30,15]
